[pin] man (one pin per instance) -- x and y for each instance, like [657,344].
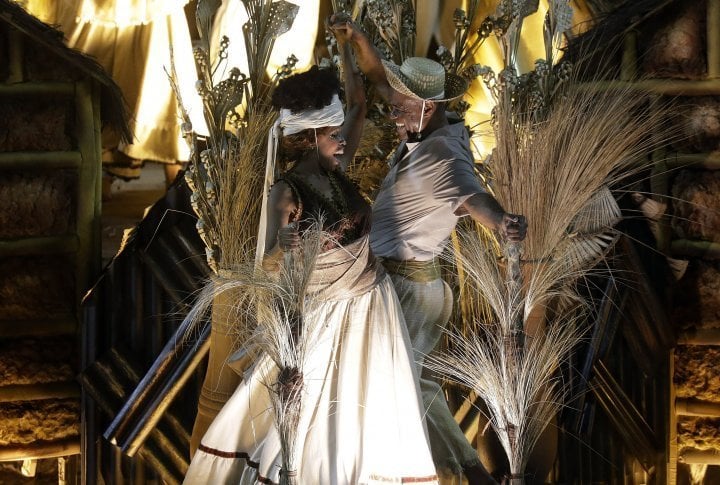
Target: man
[431,184]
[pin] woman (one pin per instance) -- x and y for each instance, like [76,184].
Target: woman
[361,419]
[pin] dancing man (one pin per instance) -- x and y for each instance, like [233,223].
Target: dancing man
[430,185]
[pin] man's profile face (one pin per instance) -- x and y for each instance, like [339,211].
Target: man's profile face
[405,112]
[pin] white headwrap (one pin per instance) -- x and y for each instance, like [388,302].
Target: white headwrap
[330,115]
[287,124]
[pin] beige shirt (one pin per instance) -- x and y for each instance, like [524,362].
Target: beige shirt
[414,212]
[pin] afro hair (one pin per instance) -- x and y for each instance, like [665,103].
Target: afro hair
[312,89]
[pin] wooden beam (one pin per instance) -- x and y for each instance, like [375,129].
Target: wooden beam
[39,245]
[628,64]
[702,336]
[696,407]
[48,88]
[35,392]
[708,161]
[700,457]
[670,87]
[39,160]
[40,450]
[693,248]
[15,48]
[87,223]
[713,38]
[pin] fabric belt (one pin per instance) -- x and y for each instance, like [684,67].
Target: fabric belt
[418,271]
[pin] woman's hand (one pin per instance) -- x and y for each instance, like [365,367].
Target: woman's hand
[289,237]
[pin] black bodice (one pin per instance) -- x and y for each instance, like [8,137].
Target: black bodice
[346,214]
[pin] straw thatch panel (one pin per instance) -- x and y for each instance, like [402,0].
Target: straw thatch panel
[699,119]
[699,433]
[28,124]
[673,43]
[35,287]
[37,361]
[699,293]
[46,57]
[37,203]
[25,422]
[697,374]
[41,64]
[696,195]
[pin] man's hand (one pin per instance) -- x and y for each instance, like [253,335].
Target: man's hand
[342,27]
[513,227]
[288,237]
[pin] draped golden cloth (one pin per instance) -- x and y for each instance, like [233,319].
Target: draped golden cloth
[137,42]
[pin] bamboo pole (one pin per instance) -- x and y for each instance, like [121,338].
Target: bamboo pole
[196,255]
[700,457]
[40,450]
[39,160]
[713,38]
[88,409]
[39,245]
[48,88]
[696,407]
[87,101]
[155,410]
[132,374]
[34,392]
[161,276]
[708,161]
[628,64]
[15,56]
[699,249]
[108,399]
[184,276]
[704,336]
[671,87]
[220,380]
[182,343]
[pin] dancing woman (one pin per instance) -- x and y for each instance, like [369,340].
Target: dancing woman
[361,420]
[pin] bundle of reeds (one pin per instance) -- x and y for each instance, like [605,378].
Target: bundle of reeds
[268,307]
[229,180]
[559,146]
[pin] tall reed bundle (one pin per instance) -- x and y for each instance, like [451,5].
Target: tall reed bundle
[269,308]
[228,180]
[559,147]
[519,384]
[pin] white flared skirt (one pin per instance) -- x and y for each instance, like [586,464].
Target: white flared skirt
[361,418]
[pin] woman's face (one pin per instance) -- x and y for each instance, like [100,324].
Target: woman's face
[330,145]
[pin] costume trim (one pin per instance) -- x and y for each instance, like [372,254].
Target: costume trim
[417,271]
[242,455]
[427,479]
[237,455]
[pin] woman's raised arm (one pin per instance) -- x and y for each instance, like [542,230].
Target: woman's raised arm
[355,97]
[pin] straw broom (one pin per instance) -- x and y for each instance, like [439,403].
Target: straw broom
[269,308]
[556,173]
[227,179]
[557,152]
